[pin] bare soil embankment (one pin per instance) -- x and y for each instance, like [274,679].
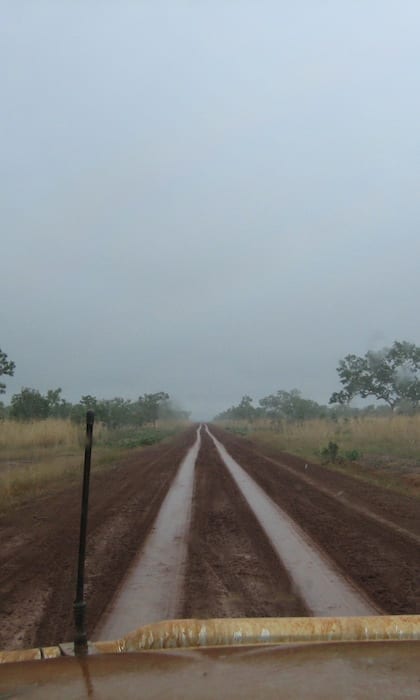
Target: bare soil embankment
[346,518]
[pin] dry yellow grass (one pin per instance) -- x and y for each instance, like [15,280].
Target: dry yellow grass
[393,435]
[388,447]
[49,433]
[43,455]
[33,454]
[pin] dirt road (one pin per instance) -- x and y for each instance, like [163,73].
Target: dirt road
[371,535]
[233,570]
[39,545]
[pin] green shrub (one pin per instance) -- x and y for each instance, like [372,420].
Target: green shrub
[330,453]
[352,455]
[134,437]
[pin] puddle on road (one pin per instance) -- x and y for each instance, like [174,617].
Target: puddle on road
[324,590]
[152,588]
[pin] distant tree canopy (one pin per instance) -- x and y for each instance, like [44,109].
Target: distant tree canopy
[283,405]
[243,411]
[118,411]
[150,405]
[30,404]
[7,367]
[391,375]
[290,405]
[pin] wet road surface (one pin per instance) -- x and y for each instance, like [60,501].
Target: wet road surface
[153,587]
[324,590]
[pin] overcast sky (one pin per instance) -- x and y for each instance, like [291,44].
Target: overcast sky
[207,198]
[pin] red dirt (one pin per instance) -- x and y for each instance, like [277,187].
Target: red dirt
[232,570]
[381,559]
[401,509]
[40,540]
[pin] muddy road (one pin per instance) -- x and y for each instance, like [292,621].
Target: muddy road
[233,570]
[372,534]
[221,561]
[39,543]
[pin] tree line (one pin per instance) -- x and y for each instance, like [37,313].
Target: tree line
[391,375]
[282,405]
[30,404]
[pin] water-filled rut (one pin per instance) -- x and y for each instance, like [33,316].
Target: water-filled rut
[152,589]
[232,570]
[325,591]
[380,560]
[240,554]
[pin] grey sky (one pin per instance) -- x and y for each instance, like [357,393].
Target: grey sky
[209,198]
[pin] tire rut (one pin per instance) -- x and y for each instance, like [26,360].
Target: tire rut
[42,562]
[381,561]
[232,569]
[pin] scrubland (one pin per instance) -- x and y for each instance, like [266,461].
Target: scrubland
[39,456]
[382,449]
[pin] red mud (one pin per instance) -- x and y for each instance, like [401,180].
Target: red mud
[40,539]
[381,560]
[232,569]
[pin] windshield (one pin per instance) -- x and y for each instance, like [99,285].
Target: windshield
[209,239]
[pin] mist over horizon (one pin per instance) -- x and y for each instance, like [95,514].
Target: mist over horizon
[209,200]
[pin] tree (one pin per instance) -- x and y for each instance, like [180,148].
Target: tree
[391,375]
[245,410]
[54,399]
[58,407]
[89,402]
[6,367]
[114,412]
[119,411]
[78,410]
[290,405]
[150,405]
[29,405]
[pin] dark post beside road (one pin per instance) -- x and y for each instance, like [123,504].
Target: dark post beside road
[79,606]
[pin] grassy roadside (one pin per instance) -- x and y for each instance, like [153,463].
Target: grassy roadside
[380,450]
[45,456]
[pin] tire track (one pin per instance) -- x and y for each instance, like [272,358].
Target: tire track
[326,592]
[152,587]
[343,499]
[38,568]
[382,561]
[232,568]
